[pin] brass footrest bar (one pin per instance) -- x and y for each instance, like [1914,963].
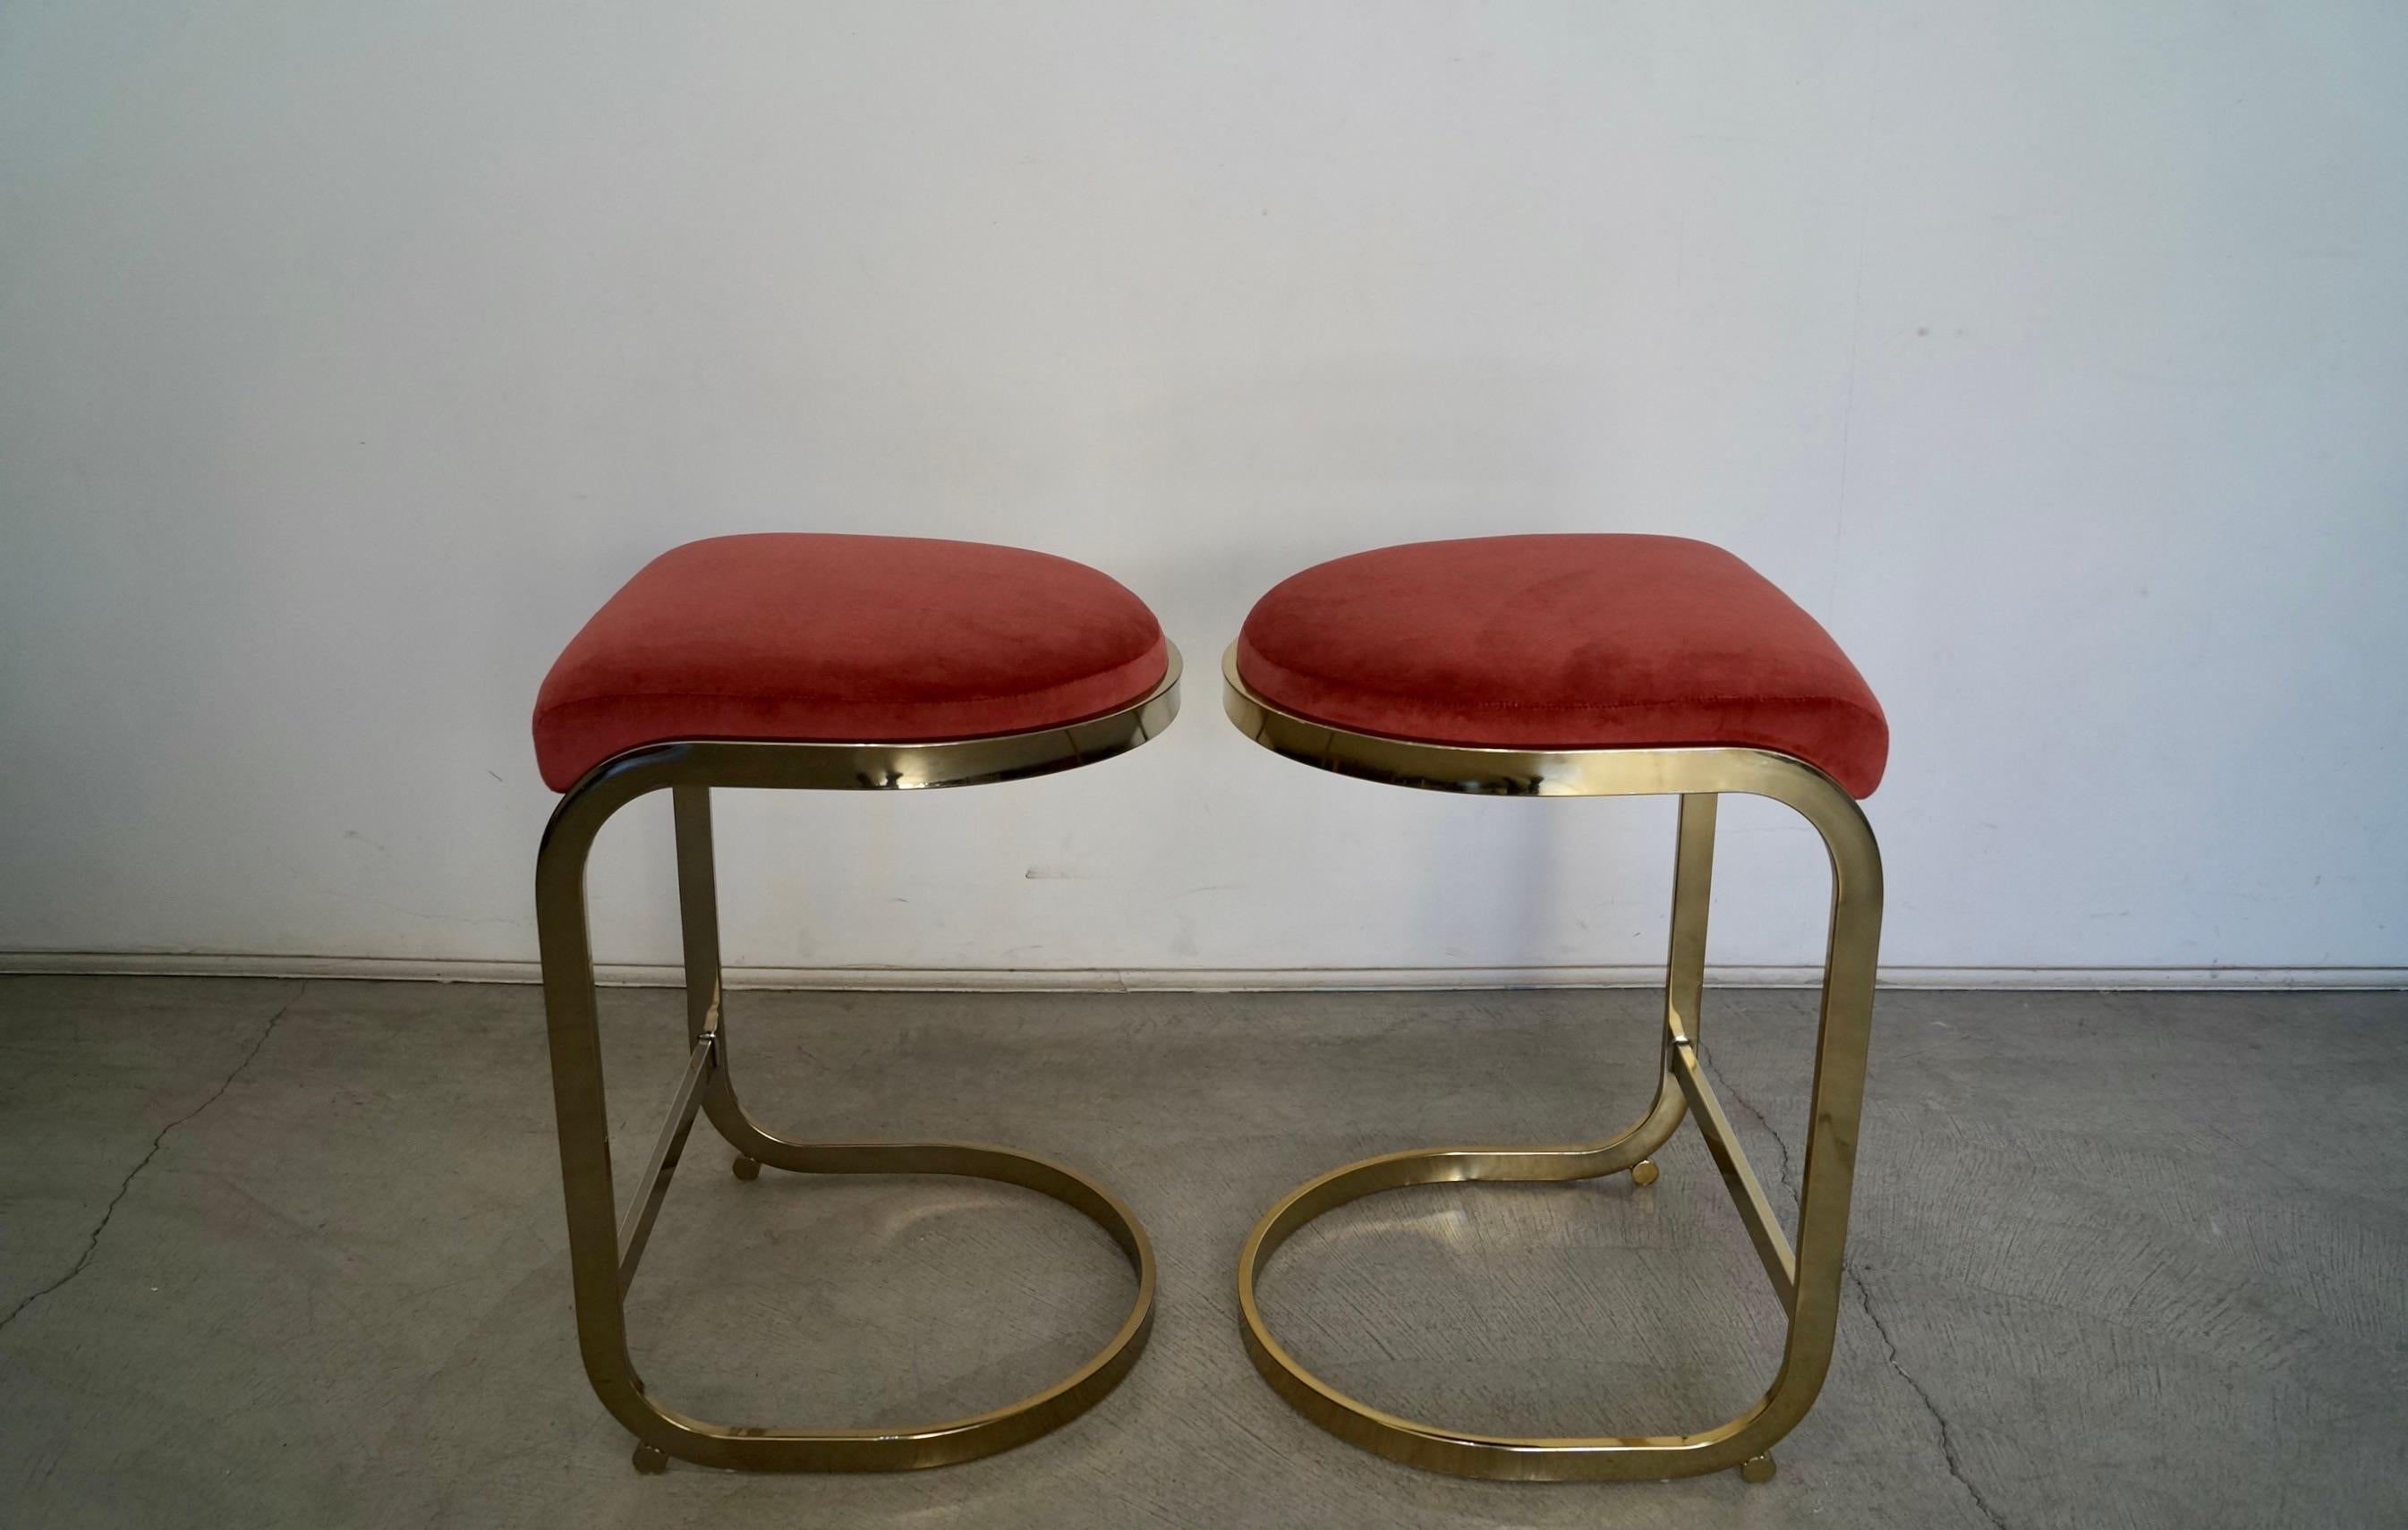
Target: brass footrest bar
[1763,1229]
[654,1186]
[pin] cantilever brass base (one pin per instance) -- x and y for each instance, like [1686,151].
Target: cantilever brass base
[1807,1280]
[605,1249]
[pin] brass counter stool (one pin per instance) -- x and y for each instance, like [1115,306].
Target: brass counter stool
[824,663]
[1591,666]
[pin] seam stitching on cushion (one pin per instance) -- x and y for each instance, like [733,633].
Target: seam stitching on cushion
[1388,694]
[1577,705]
[617,696]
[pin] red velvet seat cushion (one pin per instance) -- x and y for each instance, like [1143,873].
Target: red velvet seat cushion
[799,637]
[1563,642]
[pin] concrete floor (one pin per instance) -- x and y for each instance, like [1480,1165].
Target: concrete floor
[284,1253]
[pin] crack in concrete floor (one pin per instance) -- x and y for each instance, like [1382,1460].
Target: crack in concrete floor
[1855,1279]
[108,1212]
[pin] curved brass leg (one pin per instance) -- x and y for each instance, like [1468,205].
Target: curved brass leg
[1435,1447]
[603,1255]
[902,1447]
[1808,1281]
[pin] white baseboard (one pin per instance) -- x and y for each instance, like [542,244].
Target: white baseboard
[1197,980]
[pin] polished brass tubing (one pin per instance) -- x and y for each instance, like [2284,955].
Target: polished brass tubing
[1693,888]
[688,770]
[655,1184]
[697,871]
[1698,775]
[1763,1225]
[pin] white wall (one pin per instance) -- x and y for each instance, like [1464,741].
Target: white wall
[2054,354]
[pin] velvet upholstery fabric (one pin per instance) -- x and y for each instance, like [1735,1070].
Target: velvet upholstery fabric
[809,638]
[1579,642]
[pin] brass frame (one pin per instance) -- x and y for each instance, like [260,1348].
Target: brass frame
[1807,1280]
[605,1249]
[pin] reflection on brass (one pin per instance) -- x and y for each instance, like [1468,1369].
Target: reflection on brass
[1807,1279]
[605,1250]
[1643,1173]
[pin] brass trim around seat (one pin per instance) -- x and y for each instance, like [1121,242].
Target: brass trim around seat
[604,1252]
[1807,1279]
